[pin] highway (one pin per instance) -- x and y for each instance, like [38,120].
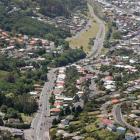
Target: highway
[118,117]
[42,122]
[99,40]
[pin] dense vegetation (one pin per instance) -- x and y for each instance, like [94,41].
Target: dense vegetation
[14,89]
[68,57]
[12,80]
[55,8]
[16,16]
[71,76]
[22,22]
[112,35]
[5,135]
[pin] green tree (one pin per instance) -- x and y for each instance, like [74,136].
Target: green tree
[117,35]
[3,108]
[1,121]
[52,99]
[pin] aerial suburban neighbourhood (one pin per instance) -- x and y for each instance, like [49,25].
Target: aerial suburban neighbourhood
[69,70]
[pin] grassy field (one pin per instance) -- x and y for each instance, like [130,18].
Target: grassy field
[84,38]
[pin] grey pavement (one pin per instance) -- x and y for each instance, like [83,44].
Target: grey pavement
[99,40]
[118,117]
[42,122]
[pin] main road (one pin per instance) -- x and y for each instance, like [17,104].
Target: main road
[99,40]
[42,122]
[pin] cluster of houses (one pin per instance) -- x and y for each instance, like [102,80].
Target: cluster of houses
[19,42]
[127,23]
[74,24]
[122,60]
[62,101]
[133,115]
[132,6]
[16,44]
[27,48]
[111,126]
[109,83]
[133,86]
[127,64]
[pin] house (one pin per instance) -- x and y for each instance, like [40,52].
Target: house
[115,101]
[57,92]
[67,100]
[70,117]
[61,126]
[111,127]
[55,111]
[80,93]
[18,134]
[110,87]
[121,130]
[67,135]
[106,122]
[13,121]
[65,121]
[108,78]
[62,70]
[130,136]
[77,138]
[33,93]
[133,116]
[60,132]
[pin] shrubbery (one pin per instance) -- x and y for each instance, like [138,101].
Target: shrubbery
[18,126]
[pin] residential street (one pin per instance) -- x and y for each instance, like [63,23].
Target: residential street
[118,116]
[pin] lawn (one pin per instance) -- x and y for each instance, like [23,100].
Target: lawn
[75,122]
[93,113]
[107,135]
[3,74]
[84,38]
[104,51]
[89,138]
[25,118]
[91,127]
